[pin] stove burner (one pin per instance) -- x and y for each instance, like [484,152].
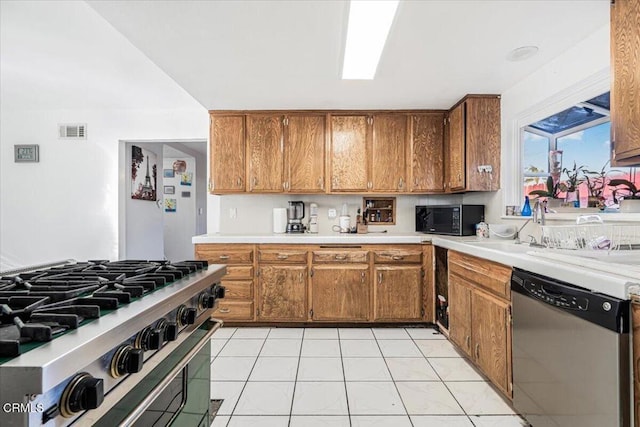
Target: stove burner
[41,305]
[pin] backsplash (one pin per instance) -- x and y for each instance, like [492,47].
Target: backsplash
[254,213]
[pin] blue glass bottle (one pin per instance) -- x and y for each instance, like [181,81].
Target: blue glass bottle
[526,208]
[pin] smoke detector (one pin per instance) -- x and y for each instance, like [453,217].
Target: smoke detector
[522,53]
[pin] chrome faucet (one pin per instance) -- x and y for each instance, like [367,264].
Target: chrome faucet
[517,236]
[538,213]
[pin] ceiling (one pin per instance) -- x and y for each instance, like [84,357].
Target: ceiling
[270,54]
[288,54]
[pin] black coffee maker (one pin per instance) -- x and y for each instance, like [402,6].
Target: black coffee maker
[295,213]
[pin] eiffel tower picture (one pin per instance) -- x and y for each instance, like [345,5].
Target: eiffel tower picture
[143,189]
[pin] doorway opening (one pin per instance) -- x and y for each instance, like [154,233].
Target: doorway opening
[163,228]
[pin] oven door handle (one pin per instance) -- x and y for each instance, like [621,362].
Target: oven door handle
[158,389]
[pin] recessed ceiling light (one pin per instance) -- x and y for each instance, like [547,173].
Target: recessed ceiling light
[369,25]
[522,53]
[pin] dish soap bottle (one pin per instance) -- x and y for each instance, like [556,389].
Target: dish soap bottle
[526,208]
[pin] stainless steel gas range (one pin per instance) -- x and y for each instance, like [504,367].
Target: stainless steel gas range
[107,343]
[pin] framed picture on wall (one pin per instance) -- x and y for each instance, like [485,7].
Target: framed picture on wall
[186,178]
[169,189]
[143,174]
[170,205]
[26,153]
[168,173]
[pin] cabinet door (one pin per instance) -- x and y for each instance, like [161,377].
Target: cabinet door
[625,82]
[460,313]
[227,154]
[350,153]
[388,166]
[491,331]
[282,292]
[398,292]
[427,153]
[482,139]
[265,153]
[340,292]
[305,153]
[456,149]
[635,323]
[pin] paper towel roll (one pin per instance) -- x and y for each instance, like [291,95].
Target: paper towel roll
[279,220]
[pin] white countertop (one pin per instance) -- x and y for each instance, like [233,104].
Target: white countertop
[314,239]
[608,277]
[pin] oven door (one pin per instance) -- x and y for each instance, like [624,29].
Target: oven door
[176,392]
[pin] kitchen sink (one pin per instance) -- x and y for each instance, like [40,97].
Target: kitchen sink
[503,245]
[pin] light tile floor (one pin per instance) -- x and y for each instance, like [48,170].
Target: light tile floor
[352,377]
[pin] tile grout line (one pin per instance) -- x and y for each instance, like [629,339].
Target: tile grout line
[344,378]
[295,381]
[442,381]
[250,372]
[391,375]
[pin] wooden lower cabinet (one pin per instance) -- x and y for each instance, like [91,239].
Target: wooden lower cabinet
[282,292]
[480,316]
[305,283]
[238,303]
[398,292]
[460,314]
[635,361]
[340,292]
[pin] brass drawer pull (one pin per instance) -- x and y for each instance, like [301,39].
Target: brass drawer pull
[225,310]
[341,257]
[397,257]
[224,257]
[282,256]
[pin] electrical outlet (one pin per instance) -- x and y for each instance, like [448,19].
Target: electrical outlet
[233,213]
[332,213]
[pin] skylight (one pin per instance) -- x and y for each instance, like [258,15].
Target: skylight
[369,25]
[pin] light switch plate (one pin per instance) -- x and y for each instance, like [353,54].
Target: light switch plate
[233,213]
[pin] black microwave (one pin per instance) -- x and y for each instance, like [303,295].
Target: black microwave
[452,220]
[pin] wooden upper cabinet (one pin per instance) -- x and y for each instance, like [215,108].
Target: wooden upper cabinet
[305,142]
[473,143]
[625,82]
[349,153]
[265,146]
[456,149]
[426,153]
[227,152]
[388,166]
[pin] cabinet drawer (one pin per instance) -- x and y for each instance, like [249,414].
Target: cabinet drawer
[287,256]
[487,275]
[221,255]
[397,256]
[337,256]
[234,311]
[239,272]
[238,289]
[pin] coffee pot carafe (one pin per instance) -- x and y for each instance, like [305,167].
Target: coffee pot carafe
[295,213]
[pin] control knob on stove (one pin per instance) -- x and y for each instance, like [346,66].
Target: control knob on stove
[149,339]
[168,330]
[81,393]
[186,316]
[218,291]
[206,300]
[126,360]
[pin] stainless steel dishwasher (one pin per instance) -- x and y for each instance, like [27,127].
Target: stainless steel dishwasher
[570,354]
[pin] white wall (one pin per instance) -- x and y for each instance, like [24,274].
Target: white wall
[180,226]
[66,206]
[577,75]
